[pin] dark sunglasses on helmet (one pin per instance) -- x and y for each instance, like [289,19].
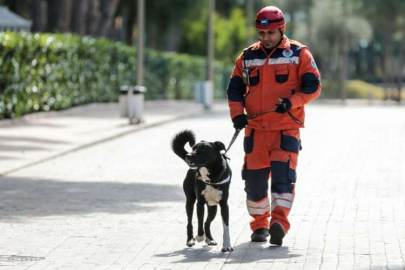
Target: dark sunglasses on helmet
[267,21]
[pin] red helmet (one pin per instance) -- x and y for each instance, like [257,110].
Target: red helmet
[269,18]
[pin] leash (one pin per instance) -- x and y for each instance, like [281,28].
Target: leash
[235,135]
[249,118]
[254,116]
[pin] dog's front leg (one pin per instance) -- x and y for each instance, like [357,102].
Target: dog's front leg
[190,209]
[226,245]
[200,216]
[212,212]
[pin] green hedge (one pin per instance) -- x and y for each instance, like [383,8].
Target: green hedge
[354,89]
[42,72]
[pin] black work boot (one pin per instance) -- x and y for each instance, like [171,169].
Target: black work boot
[260,235]
[276,234]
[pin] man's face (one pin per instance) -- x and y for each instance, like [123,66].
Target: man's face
[269,38]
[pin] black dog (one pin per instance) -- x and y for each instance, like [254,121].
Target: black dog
[207,181]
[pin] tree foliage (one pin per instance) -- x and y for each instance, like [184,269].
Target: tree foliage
[363,38]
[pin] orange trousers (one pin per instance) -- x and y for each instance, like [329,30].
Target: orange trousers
[270,154]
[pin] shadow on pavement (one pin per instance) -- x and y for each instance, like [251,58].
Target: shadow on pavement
[238,256]
[29,124]
[28,197]
[30,139]
[7,157]
[12,148]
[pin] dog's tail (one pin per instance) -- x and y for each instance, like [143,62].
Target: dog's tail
[180,140]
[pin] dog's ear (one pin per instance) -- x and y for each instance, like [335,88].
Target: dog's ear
[219,145]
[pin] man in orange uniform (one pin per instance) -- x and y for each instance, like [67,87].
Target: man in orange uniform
[281,74]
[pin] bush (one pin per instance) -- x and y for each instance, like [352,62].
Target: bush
[364,90]
[354,89]
[42,72]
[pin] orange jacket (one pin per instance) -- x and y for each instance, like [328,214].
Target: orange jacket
[288,72]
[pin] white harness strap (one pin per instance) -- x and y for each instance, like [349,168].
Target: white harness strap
[215,184]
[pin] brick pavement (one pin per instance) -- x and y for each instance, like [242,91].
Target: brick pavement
[120,205]
[38,137]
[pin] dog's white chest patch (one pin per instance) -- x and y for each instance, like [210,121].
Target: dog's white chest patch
[212,195]
[204,173]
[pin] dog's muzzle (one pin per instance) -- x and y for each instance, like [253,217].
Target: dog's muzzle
[194,164]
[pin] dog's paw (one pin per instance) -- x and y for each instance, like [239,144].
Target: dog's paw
[191,242]
[210,242]
[227,249]
[200,238]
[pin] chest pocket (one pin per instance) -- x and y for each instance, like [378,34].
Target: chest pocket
[281,73]
[254,76]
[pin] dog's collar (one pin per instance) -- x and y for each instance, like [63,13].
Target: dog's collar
[217,183]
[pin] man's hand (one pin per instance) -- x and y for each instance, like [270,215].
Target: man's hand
[283,105]
[240,121]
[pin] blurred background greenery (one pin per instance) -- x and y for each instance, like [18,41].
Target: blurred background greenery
[81,51]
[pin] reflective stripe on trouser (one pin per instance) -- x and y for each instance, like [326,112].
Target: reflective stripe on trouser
[260,211]
[281,204]
[279,149]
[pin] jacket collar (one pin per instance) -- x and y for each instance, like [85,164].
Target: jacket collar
[285,43]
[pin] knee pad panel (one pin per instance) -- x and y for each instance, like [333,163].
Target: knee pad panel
[256,183]
[282,177]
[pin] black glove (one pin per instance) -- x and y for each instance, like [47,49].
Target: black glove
[240,121]
[284,106]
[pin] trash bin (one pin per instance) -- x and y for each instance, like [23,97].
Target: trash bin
[136,104]
[208,94]
[204,93]
[123,100]
[198,89]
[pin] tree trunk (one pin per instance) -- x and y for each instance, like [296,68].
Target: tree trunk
[130,26]
[384,69]
[78,17]
[174,37]
[309,23]
[93,16]
[37,15]
[108,8]
[371,56]
[18,6]
[58,15]
[400,77]
[291,24]
[65,15]
[358,62]
[343,52]
[53,15]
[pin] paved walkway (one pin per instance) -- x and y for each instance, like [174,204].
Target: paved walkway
[119,204]
[39,137]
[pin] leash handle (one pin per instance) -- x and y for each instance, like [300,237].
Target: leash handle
[299,122]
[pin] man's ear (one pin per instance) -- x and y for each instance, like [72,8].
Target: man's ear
[219,145]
